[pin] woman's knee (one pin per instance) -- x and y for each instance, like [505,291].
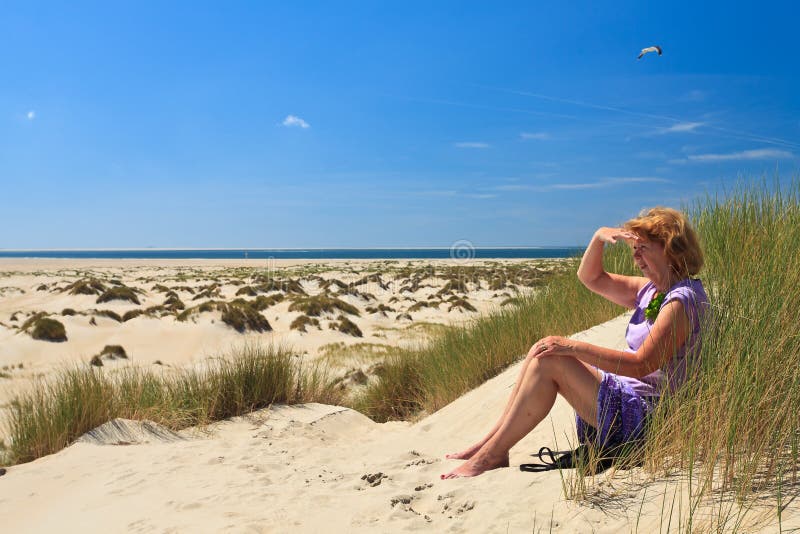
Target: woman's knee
[550,366]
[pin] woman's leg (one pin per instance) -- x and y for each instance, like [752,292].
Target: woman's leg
[535,395]
[466,454]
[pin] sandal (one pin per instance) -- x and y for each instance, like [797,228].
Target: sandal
[568,460]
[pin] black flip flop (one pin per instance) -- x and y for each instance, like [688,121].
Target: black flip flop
[565,460]
[568,460]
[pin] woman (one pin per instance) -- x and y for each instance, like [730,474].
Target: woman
[611,390]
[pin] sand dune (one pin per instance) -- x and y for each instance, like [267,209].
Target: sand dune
[317,468]
[181,318]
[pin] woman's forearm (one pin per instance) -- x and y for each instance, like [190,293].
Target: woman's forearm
[592,262]
[610,360]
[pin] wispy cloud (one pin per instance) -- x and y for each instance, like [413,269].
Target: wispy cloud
[435,193]
[597,184]
[709,128]
[539,136]
[481,195]
[762,153]
[471,144]
[681,127]
[31,115]
[296,122]
[609,182]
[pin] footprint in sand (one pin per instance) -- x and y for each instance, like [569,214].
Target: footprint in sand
[452,510]
[374,479]
[422,461]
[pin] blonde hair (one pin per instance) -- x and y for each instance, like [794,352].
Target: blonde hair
[671,228]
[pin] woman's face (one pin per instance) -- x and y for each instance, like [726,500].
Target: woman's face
[650,258]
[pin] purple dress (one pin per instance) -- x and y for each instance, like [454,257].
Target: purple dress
[623,403]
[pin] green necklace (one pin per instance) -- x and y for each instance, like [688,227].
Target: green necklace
[651,312]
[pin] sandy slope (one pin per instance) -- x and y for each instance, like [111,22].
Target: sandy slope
[28,287]
[301,469]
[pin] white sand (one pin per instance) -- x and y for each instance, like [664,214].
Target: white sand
[33,286]
[299,469]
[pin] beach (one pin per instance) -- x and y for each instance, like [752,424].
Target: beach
[168,314]
[311,466]
[316,467]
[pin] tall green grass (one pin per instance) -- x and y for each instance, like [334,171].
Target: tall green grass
[736,423]
[77,400]
[424,379]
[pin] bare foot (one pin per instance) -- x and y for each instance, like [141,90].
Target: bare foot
[466,454]
[477,465]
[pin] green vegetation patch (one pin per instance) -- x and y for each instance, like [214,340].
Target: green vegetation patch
[173,302]
[374,278]
[114,351]
[119,293]
[301,323]
[109,314]
[265,285]
[319,304]
[241,316]
[204,307]
[87,286]
[461,358]
[461,304]
[380,308]
[47,329]
[50,417]
[131,314]
[423,304]
[246,291]
[346,326]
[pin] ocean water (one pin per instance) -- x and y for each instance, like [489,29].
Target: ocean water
[458,252]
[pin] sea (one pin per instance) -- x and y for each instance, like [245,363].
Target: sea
[457,252]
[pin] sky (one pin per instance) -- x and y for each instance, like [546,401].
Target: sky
[382,124]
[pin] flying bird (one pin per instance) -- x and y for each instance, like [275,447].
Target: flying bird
[650,49]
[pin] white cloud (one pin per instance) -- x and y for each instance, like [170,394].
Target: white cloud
[436,193]
[481,195]
[292,120]
[31,115]
[762,153]
[539,136]
[609,182]
[682,127]
[599,184]
[471,144]
[514,187]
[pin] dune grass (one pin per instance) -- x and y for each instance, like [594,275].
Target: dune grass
[48,329]
[736,423]
[79,399]
[424,379]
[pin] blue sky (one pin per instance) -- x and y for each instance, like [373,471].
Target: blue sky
[367,124]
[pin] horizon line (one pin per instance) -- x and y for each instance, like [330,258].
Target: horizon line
[160,249]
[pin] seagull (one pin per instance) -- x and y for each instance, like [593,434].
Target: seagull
[650,49]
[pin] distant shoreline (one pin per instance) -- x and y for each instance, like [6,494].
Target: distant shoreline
[457,252]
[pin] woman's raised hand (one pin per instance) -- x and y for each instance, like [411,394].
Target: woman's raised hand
[552,346]
[613,235]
